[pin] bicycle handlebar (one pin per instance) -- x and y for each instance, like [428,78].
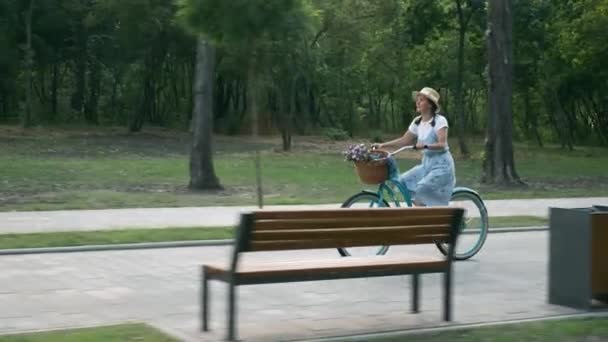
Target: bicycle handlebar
[400,149]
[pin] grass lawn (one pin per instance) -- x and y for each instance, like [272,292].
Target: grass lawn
[515,221]
[592,329]
[122,236]
[112,237]
[52,169]
[116,333]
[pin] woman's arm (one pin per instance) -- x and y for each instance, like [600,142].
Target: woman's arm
[407,139]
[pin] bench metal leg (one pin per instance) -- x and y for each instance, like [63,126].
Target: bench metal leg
[447,296]
[231,312]
[415,292]
[204,300]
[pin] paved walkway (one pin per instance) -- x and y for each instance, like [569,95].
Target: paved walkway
[66,220]
[507,280]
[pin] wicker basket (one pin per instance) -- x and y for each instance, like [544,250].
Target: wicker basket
[374,171]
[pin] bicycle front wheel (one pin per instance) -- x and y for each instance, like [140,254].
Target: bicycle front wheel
[364,200]
[474,228]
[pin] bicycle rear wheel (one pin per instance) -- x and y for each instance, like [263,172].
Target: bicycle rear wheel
[364,199]
[474,228]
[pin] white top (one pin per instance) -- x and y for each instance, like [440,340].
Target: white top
[423,129]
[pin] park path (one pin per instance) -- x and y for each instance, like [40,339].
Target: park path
[77,220]
[507,280]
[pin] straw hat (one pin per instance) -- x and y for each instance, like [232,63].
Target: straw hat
[430,94]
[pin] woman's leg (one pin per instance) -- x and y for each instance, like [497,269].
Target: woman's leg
[435,188]
[410,180]
[418,203]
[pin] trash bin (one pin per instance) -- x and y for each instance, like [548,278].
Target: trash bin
[578,256]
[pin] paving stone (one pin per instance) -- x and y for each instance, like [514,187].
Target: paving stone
[161,287]
[69,220]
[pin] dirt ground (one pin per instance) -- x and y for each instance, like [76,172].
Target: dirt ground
[78,141]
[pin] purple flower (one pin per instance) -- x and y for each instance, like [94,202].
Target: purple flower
[357,152]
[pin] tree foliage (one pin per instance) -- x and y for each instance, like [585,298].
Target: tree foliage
[347,65]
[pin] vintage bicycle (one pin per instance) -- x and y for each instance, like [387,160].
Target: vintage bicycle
[473,231]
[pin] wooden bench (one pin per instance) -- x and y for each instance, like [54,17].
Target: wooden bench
[263,230]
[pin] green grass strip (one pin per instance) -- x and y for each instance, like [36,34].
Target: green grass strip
[517,221]
[125,236]
[115,333]
[112,237]
[588,329]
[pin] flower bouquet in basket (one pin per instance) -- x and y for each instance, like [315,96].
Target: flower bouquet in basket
[371,165]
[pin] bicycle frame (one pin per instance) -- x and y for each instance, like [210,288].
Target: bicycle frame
[386,186]
[402,189]
[407,195]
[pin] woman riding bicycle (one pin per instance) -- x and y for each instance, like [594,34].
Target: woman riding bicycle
[431,182]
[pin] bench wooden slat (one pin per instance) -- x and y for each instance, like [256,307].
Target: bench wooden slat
[350,222]
[335,243]
[346,213]
[331,265]
[348,233]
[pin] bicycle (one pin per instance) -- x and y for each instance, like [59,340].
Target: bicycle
[474,228]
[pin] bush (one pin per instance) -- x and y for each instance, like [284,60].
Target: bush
[336,134]
[375,136]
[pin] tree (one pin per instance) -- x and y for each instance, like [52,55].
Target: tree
[531,37]
[202,173]
[465,10]
[499,163]
[256,22]
[575,73]
[128,63]
[29,65]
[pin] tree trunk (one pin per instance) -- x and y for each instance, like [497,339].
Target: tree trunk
[561,121]
[29,62]
[252,106]
[445,102]
[499,164]
[532,118]
[286,132]
[393,123]
[282,109]
[54,94]
[77,100]
[190,68]
[147,104]
[471,105]
[597,110]
[313,113]
[116,81]
[460,120]
[3,104]
[202,173]
[90,108]
[40,88]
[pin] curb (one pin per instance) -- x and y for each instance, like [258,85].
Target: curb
[148,324]
[518,230]
[117,247]
[456,327]
[177,244]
